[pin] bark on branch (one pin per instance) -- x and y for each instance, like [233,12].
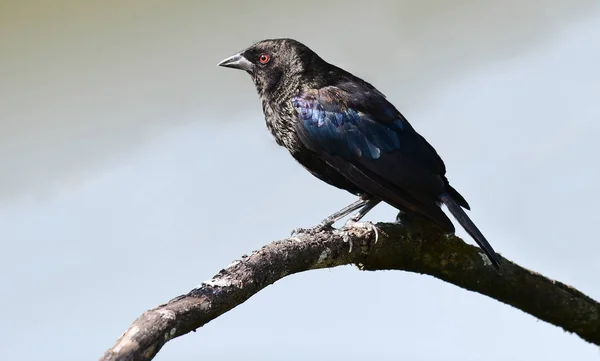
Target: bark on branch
[445,257]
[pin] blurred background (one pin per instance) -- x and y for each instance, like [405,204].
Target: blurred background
[133,169]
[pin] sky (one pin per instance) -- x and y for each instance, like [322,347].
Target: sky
[133,169]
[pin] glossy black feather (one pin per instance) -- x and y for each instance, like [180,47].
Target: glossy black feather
[471,228]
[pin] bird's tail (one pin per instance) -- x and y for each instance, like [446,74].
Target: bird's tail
[470,227]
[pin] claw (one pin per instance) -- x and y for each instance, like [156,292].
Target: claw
[297,231]
[363,225]
[349,240]
[344,233]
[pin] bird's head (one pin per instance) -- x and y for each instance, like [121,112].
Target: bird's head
[273,63]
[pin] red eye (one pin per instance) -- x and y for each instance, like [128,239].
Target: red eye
[264,58]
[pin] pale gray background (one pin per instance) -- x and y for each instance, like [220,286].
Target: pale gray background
[132,169]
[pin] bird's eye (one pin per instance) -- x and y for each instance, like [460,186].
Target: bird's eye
[264,58]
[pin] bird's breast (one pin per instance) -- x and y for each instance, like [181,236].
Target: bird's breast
[280,120]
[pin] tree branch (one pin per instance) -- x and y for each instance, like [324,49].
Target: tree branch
[445,257]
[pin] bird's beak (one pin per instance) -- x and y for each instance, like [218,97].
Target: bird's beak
[237,61]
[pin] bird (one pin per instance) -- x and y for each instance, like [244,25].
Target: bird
[349,135]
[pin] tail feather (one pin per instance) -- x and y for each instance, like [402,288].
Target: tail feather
[470,227]
[457,197]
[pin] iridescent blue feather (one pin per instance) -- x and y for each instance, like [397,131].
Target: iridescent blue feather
[347,132]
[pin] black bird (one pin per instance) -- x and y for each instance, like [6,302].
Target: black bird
[347,134]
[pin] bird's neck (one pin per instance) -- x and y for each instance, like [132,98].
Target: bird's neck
[280,120]
[280,116]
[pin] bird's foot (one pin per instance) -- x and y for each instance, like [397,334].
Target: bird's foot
[353,225]
[316,229]
[365,225]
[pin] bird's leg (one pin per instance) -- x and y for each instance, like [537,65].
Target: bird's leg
[359,204]
[327,222]
[369,205]
[353,222]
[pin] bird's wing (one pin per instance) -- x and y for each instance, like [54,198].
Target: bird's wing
[364,137]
